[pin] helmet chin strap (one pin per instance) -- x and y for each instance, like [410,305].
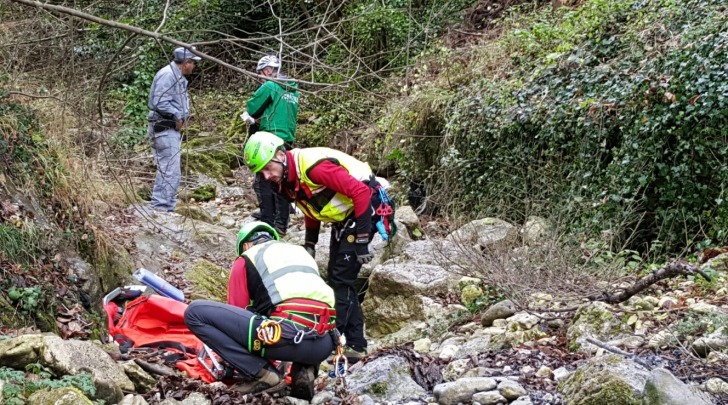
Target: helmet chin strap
[283,164]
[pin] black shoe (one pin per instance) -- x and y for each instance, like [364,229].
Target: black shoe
[257,215]
[281,232]
[302,378]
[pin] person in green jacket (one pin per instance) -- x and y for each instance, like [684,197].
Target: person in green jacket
[273,108]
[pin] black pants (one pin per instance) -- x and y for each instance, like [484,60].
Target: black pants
[226,329]
[274,208]
[349,290]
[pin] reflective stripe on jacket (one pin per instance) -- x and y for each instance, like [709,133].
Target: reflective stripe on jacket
[286,271]
[325,204]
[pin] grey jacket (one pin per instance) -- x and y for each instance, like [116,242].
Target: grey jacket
[168,94]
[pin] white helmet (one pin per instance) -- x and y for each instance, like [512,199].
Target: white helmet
[266,61]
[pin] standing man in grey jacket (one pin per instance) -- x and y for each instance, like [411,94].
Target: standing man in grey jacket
[169,108]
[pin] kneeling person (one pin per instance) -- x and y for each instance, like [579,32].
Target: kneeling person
[279,308]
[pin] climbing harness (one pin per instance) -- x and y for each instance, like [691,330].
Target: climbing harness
[315,315]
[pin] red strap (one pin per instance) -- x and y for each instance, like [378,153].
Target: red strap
[320,310]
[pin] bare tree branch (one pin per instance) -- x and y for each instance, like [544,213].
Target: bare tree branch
[155,35]
[164,17]
[618,351]
[671,270]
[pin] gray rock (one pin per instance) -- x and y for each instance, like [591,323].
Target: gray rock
[534,230]
[595,320]
[716,341]
[489,398]
[131,399]
[486,232]
[322,398]
[59,396]
[523,401]
[68,357]
[462,390]
[396,291]
[472,347]
[294,401]
[406,215]
[385,378]
[605,380]
[499,310]
[143,382]
[455,369]
[366,400]
[561,373]
[511,389]
[716,386]
[663,388]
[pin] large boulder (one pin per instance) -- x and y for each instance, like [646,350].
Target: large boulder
[386,378]
[67,357]
[535,230]
[485,233]
[59,396]
[170,232]
[595,320]
[663,388]
[605,380]
[462,390]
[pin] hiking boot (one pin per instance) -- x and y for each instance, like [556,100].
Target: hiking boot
[281,231]
[302,378]
[268,381]
[353,355]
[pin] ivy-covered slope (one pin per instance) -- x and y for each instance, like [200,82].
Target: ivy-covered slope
[609,116]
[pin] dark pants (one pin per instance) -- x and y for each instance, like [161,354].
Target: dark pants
[349,290]
[274,208]
[226,329]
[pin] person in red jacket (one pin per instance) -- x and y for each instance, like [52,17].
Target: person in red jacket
[278,308]
[328,186]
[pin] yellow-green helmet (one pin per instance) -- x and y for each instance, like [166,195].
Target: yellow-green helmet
[251,231]
[260,149]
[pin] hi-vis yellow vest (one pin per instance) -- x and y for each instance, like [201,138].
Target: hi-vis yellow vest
[326,205]
[288,271]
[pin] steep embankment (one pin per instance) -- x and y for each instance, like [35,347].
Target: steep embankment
[609,116]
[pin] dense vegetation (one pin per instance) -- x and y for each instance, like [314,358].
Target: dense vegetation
[610,117]
[607,117]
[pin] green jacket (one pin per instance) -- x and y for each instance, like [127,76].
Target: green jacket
[276,107]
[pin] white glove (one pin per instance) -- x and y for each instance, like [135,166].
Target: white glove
[247,118]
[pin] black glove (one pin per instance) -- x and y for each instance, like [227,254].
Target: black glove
[362,253]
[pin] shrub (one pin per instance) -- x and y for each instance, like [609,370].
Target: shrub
[612,115]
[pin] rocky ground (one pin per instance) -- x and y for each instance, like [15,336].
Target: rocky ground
[427,347]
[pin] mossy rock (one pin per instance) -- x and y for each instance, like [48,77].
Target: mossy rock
[470,294]
[596,320]
[115,268]
[210,280]
[213,156]
[388,315]
[59,396]
[605,380]
[205,193]
[193,212]
[8,314]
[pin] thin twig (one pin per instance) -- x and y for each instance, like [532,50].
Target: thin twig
[618,351]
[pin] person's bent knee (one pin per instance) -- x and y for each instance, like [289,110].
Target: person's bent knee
[193,314]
